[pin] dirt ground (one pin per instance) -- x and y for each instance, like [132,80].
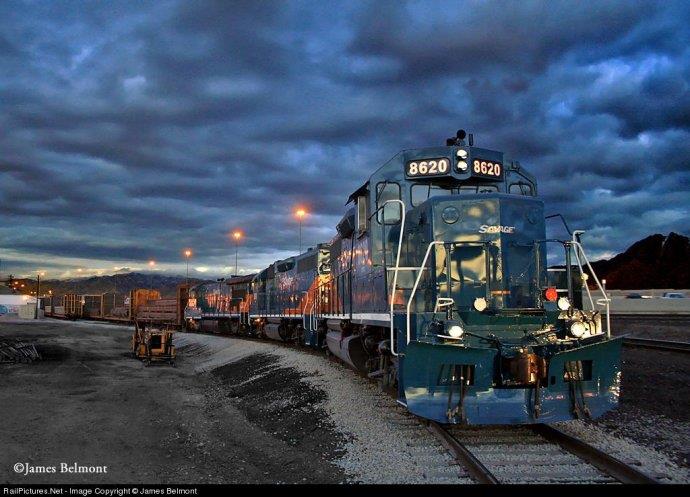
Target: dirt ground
[252,421]
[661,328]
[90,403]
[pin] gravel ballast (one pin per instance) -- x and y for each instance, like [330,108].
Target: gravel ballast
[379,441]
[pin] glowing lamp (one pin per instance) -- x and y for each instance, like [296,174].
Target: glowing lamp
[551,294]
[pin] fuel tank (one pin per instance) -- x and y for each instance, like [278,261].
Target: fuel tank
[274,330]
[347,348]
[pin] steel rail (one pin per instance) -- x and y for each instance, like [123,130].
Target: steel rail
[474,466]
[650,343]
[604,462]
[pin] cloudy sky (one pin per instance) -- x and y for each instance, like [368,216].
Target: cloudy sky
[131,130]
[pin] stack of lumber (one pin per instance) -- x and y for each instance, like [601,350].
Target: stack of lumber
[159,310]
[18,351]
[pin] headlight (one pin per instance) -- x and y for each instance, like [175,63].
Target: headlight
[462,165]
[578,329]
[563,303]
[450,215]
[456,331]
[480,304]
[462,153]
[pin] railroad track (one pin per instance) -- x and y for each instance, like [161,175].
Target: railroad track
[532,454]
[649,343]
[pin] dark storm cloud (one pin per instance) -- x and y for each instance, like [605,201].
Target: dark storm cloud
[131,130]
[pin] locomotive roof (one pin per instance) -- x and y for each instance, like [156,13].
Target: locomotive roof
[236,280]
[392,169]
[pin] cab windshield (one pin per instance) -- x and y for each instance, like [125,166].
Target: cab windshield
[507,279]
[421,192]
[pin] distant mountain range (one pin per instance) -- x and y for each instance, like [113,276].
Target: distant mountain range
[657,261]
[118,283]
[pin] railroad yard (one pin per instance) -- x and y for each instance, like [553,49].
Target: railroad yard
[237,410]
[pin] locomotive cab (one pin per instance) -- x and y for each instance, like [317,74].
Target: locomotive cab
[480,336]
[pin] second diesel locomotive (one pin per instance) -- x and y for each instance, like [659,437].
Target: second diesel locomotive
[437,285]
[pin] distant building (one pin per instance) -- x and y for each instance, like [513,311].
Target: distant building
[9,302]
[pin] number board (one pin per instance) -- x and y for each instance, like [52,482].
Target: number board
[427,167]
[487,168]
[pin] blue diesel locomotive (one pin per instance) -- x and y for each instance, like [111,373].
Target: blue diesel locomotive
[437,285]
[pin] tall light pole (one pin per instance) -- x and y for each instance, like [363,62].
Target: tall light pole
[237,235]
[38,291]
[187,254]
[152,264]
[220,291]
[300,213]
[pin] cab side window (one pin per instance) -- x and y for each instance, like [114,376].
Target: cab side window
[521,189]
[362,214]
[390,214]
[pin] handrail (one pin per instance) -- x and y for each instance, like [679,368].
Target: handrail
[312,318]
[442,302]
[397,262]
[416,284]
[304,311]
[579,265]
[607,300]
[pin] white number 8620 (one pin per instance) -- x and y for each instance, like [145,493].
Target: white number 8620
[427,167]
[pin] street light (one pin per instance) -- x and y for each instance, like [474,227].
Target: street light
[187,254]
[300,213]
[220,282]
[152,264]
[38,290]
[237,235]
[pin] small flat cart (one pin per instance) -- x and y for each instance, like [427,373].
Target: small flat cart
[152,344]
